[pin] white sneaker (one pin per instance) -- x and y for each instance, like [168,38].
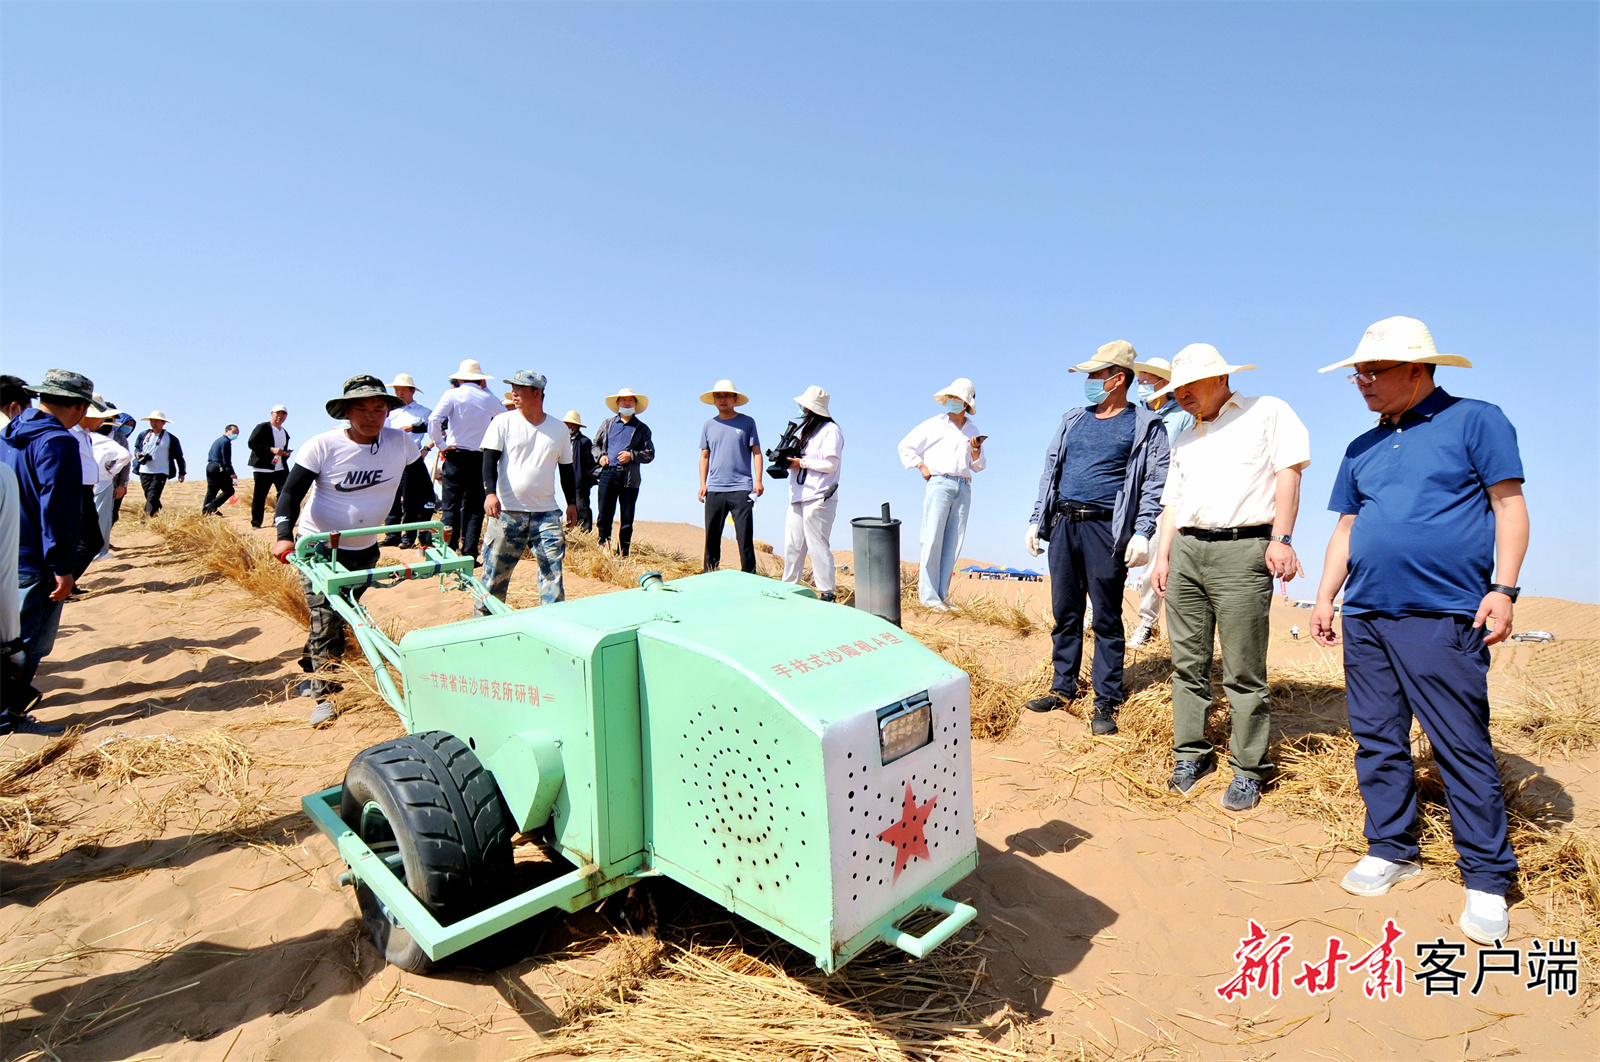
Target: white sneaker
[1485,918]
[322,714]
[1142,636]
[1373,876]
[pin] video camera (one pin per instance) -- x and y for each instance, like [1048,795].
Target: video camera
[788,446]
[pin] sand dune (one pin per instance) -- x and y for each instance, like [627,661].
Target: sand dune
[150,920]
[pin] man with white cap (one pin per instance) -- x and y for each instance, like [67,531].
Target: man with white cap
[1431,535]
[157,456]
[947,449]
[1154,374]
[525,452]
[269,461]
[622,443]
[584,467]
[730,471]
[1227,524]
[813,490]
[414,502]
[1097,508]
[457,425]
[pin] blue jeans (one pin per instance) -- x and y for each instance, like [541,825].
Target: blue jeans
[40,619]
[944,525]
[513,533]
[1434,668]
[1085,566]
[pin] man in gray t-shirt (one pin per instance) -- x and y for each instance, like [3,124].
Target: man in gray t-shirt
[730,475]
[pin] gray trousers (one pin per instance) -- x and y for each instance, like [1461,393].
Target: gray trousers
[1220,591]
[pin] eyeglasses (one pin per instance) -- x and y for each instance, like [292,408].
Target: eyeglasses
[1371,377]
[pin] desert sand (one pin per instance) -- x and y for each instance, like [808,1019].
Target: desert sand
[150,918]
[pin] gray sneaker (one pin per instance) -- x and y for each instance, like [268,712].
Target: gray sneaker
[322,714]
[1242,795]
[1187,774]
[1373,876]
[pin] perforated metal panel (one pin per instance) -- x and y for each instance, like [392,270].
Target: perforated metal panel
[867,798]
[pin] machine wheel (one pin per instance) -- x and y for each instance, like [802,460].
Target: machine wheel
[431,811]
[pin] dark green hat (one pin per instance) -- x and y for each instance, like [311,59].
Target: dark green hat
[62,384]
[361,387]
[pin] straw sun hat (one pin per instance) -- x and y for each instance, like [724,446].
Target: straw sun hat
[960,388]
[1198,361]
[470,370]
[404,380]
[642,402]
[1399,339]
[573,419]
[156,414]
[724,387]
[1156,366]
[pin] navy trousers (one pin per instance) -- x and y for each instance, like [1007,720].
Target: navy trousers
[1436,668]
[1084,565]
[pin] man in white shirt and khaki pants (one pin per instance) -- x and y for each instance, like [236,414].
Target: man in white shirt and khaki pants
[1228,513]
[947,450]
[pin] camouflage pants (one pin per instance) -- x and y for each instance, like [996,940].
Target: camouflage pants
[325,639]
[511,534]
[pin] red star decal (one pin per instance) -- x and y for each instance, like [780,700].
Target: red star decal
[906,835]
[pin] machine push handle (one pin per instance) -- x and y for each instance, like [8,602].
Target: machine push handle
[956,916]
[305,543]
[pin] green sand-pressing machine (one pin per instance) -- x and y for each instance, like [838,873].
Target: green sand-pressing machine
[802,764]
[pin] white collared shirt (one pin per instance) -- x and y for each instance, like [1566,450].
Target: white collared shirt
[943,447]
[1224,472]
[89,467]
[407,417]
[823,455]
[467,409]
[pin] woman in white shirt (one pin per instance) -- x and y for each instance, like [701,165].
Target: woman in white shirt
[947,450]
[813,489]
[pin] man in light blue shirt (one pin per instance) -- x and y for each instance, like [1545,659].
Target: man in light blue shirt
[730,475]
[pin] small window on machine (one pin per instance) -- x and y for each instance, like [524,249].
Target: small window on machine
[905,726]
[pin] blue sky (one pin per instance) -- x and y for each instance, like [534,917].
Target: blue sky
[212,208]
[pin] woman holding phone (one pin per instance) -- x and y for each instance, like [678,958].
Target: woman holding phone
[947,450]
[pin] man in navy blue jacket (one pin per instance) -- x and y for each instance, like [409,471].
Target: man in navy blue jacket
[44,456]
[220,476]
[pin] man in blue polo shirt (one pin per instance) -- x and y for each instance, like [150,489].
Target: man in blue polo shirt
[730,475]
[1431,513]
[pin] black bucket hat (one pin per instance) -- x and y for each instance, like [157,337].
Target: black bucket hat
[361,387]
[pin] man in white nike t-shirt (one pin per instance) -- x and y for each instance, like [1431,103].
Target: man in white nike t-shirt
[350,475]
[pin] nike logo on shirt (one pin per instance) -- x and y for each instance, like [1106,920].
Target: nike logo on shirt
[361,479]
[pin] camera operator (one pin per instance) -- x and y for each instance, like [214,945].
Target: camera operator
[813,486]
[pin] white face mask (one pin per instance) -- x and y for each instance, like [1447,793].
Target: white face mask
[624,411]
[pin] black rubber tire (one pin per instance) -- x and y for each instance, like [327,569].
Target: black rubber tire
[441,810]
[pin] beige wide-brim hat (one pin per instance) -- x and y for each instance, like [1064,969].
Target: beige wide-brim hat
[960,388]
[404,379]
[1198,361]
[573,419]
[816,400]
[156,414]
[1118,353]
[641,402]
[1156,366]
[1399,339]
[470,370]
[724,387]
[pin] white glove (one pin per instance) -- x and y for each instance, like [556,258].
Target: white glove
[1138,554]
[1035,547]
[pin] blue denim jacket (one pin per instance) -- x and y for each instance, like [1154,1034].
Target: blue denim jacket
[1138,507]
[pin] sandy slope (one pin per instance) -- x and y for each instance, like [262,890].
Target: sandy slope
[1110,924]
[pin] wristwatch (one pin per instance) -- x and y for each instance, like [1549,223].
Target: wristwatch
[1287,540]
[1509,591]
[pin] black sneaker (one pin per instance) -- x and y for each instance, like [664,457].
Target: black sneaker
[407,542]
[1187,774]
[27,724]
[1104,722]
[1051,701]
[827,595]
[1242,795]
[389,540]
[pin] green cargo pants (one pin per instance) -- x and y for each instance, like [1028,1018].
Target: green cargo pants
[1220,589]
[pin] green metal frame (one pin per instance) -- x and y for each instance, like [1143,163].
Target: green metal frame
[332,579]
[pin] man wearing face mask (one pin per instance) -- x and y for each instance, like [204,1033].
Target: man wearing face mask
[220,476]
[947,450]
[1228,515]
[621,444]
[1098,506]
[1154,375]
